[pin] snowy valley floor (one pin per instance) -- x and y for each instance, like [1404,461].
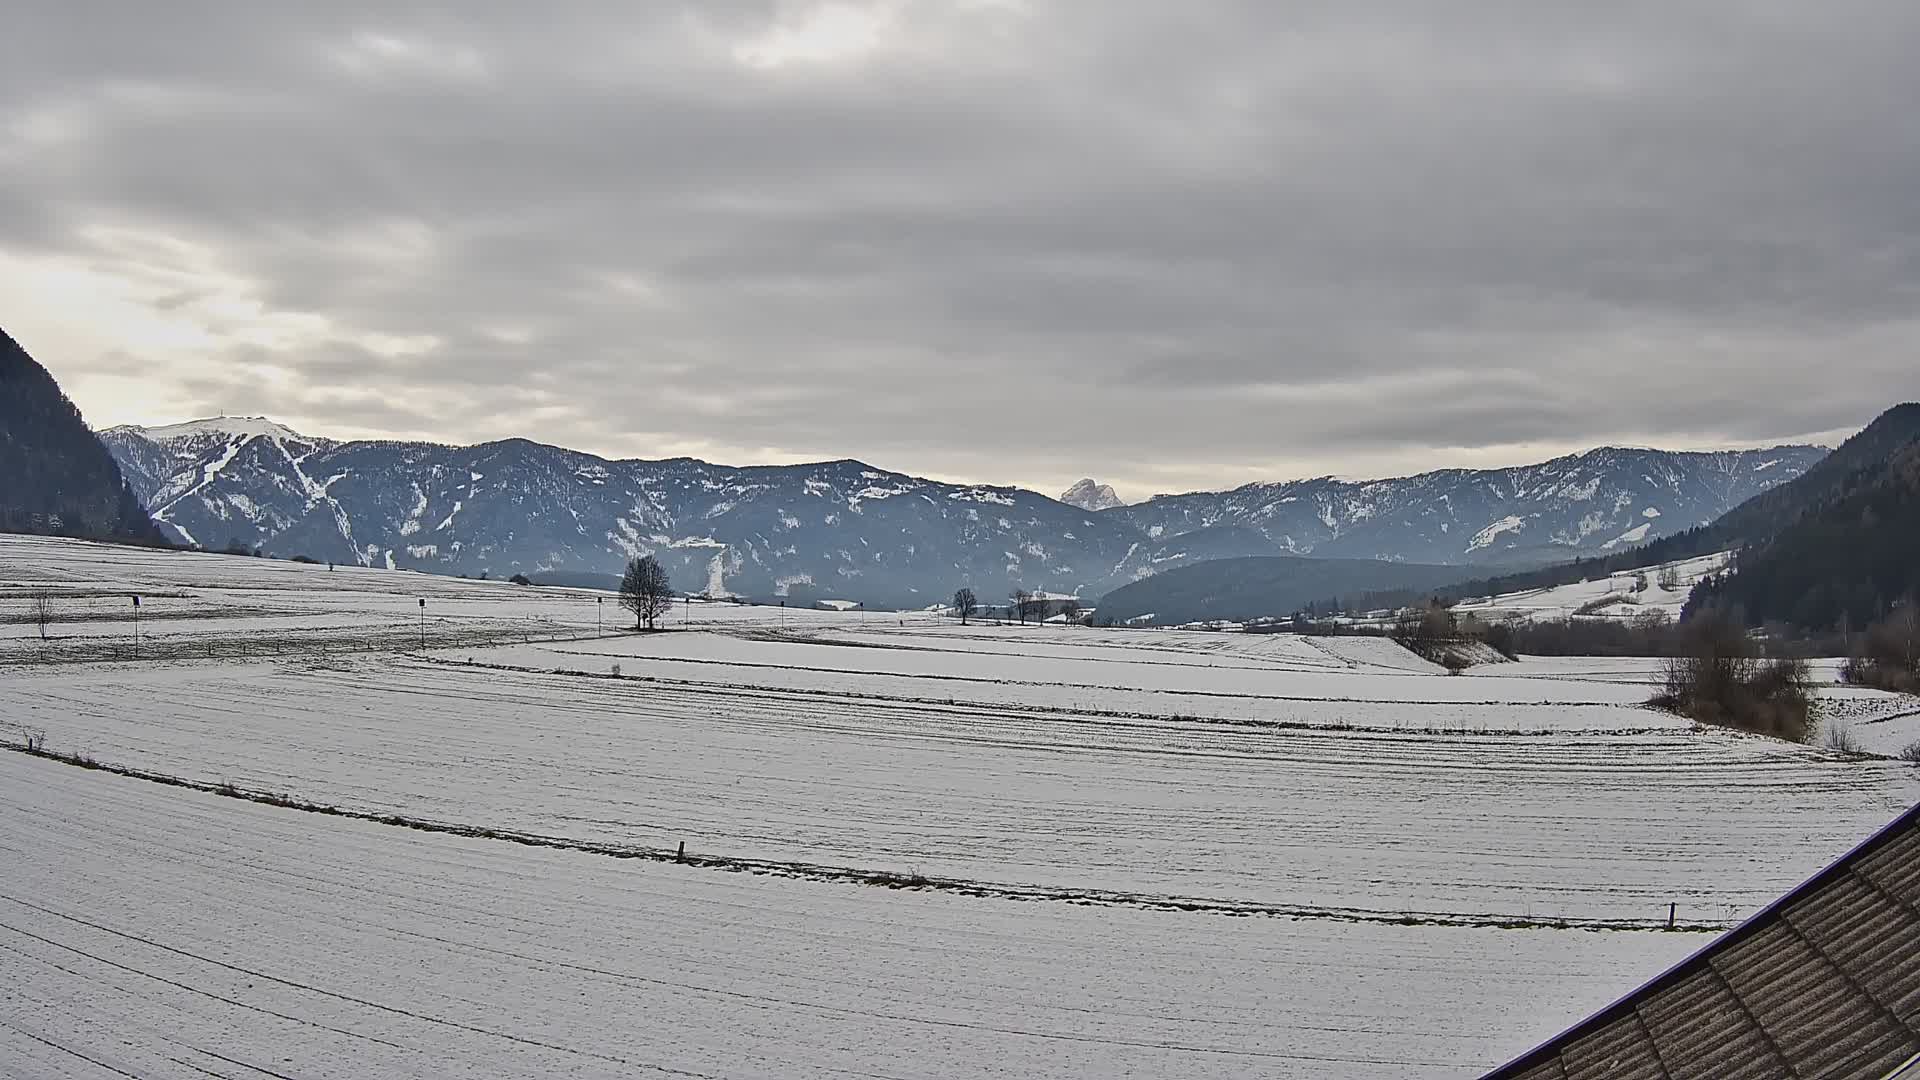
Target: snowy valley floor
[158,931]
[1148,853]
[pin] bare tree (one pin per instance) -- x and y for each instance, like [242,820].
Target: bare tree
[1888,654]
[645,591]
[965,603]
[1669,578]
[1070,608]
[1426,629]
[1019,601]
[42,612]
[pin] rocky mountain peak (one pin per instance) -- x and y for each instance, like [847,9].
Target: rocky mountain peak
[1088,495]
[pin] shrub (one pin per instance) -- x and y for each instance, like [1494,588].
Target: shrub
[1426,630]
[1454,662]
[1717,677]
[520,579]
[1911,753]
[1501,638]
[1888,654]
[42,612]
[1839,737]
[307,559]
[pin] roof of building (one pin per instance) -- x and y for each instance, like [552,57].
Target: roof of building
[1824,983]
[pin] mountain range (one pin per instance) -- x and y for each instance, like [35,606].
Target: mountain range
[846,529]
[1607,499]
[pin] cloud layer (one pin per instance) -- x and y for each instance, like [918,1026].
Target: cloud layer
[1170,245]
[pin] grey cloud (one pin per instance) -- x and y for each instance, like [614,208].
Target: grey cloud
[1161,244]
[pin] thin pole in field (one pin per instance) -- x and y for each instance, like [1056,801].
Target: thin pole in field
[599,607]
[136,628]
[423,623]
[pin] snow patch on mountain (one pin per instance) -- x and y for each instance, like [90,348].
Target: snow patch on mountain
[1632,536]
[241,428]
[1485,537]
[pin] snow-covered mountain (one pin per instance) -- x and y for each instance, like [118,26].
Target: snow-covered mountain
[1599,501]
[831,529]
[845,529]
[1088,495]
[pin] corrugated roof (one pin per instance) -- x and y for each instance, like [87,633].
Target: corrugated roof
[1824,983]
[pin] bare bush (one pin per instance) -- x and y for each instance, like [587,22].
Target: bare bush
[1502,637]
[1717,677]
[1426,630]
[42,613]
[1911,753]
[1839,737]
[1888,654]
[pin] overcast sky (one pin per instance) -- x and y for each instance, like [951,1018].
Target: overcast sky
[1169,245]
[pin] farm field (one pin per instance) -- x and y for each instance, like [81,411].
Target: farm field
[915,849]
[316,947]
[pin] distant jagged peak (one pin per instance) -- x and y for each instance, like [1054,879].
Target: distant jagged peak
[1088,495]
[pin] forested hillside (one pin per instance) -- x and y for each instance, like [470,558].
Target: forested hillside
[56,478]
[1843,564]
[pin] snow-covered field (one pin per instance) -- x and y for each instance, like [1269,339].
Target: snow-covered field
[152,932]
[1159,852]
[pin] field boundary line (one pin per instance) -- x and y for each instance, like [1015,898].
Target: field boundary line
[1289,698]
[890,879]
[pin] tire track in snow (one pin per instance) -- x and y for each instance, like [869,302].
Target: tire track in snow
[311,989]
